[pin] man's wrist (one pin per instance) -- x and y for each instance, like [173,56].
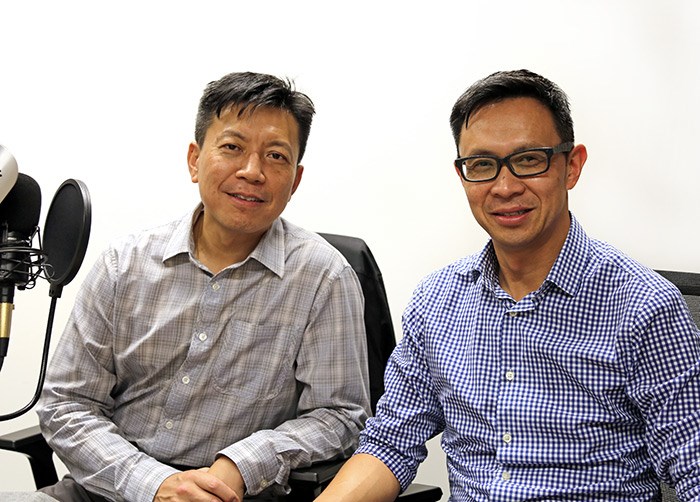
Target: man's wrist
[226,470]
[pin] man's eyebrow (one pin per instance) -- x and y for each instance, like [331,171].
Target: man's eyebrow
[280,143]
[226,133]
[520,148]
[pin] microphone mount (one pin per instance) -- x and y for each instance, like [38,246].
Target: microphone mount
[21,264]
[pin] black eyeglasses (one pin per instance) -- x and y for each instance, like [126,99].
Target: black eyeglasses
[522,164]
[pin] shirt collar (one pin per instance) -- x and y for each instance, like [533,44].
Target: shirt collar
[181,240]
[270,251]
[566,273]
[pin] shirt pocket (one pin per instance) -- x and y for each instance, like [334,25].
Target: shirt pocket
[256,361]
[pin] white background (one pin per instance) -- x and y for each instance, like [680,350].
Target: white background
[107,93]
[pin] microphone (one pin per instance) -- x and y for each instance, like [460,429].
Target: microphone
[8,172]
[19,216]
[66,235]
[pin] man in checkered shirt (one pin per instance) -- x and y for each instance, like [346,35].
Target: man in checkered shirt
[556,367]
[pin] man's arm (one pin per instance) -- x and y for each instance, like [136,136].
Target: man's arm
[77,402]
[333,403]
[365,478]
[666,387]
[226,470]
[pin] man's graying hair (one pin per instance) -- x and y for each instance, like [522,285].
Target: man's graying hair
[249,91]
[512,84]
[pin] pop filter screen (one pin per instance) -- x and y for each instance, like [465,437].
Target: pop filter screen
[66,233]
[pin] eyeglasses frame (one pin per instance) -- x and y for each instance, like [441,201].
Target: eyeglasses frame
[501,161]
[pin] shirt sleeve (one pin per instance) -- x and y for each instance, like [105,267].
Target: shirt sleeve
[409,413]
[76,406]
[331,372]
[665,384]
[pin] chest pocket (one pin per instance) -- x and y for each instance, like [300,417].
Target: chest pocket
[255,361]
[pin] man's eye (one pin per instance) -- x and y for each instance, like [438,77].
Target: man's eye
[278,156]
[231,146]
[480,163]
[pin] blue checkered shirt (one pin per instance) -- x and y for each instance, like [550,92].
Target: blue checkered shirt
[586,389]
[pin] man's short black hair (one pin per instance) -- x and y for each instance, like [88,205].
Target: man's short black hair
[248,91]
[513,84]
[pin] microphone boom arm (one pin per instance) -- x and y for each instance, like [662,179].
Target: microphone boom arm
[44,363]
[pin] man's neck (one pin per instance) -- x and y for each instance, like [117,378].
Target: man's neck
[519,276]
[521,272]
[522,268]
[216,251]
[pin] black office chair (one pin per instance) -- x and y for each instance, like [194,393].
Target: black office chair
[306,483]
[689,285]
[309,483]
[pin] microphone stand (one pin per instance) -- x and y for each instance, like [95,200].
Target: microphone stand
[44,363]
[36,258]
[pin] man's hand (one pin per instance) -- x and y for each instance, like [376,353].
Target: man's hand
[193,486]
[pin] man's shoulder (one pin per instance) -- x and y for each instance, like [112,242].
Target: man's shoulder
[305,247]
[463,272]
[165,239]
[616,267]
[146,236]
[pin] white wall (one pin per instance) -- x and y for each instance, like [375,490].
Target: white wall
[107,93]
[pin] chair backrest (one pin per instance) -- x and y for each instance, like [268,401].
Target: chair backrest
[689,285]
[380,329]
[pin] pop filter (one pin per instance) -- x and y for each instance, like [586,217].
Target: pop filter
[66,234]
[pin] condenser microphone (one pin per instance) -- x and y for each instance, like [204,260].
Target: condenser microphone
[19,216]
[8,172]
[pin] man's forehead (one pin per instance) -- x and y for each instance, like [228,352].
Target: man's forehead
[506,105]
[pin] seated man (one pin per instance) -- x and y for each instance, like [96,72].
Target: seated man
[230,339]
[556,367]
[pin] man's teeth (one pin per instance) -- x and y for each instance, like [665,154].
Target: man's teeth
[243,197]
[514,213]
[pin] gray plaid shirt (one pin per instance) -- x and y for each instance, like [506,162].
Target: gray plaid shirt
[163,363]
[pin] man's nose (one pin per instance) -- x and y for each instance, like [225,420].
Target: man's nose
[506,183]
[251,169]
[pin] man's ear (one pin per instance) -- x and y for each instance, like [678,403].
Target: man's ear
[192,158]
[297,179]
[576,159]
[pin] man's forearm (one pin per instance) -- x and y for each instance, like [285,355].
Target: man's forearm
[365,478]
[227,470]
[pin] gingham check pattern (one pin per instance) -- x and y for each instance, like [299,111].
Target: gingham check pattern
[579,391]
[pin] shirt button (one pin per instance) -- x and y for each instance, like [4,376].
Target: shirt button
[512,314]
[185,379]
[202,336]
[510,375]
[505,475]
[169,424]
[215,286]
[507,438]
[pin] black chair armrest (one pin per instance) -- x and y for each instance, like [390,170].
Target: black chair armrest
[307,483]
[417,492]
[31,443]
